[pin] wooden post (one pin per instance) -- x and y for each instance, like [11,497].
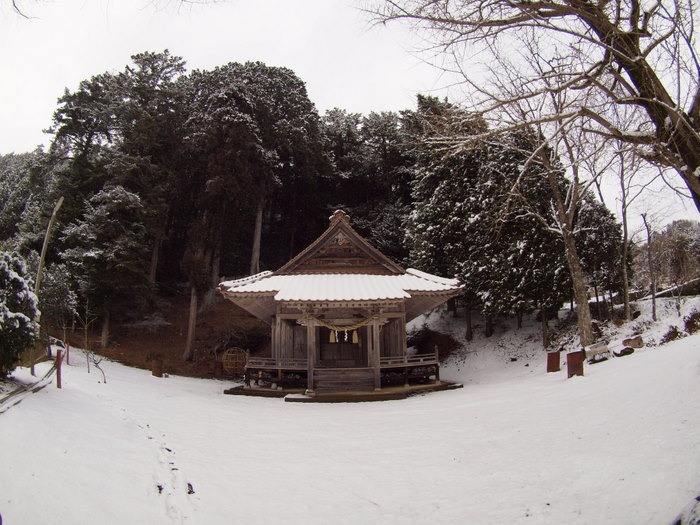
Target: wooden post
[310,354]
[574,363]
[376,352]
[157,367]
[59,359]
[437,366]
[277,341]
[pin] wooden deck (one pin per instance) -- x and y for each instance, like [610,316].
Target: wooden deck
[292,374]
[385,394]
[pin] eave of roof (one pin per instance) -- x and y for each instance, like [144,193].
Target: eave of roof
[341,287]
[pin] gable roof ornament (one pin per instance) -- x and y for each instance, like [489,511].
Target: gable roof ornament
[341,249]
[339,215]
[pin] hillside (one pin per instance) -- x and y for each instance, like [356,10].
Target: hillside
[163,336]
[221,324]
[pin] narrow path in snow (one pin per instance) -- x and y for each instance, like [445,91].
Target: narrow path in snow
[168,480]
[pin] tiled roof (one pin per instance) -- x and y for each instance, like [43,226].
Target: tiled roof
[340,287]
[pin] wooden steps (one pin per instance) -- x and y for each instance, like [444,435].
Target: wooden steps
[327,380]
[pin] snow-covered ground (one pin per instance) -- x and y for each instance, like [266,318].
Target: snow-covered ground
[515,445]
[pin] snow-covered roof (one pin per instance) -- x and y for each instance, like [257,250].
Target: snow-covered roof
[340,266]
[340,287]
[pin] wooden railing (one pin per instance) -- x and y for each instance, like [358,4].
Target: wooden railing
[301,363]
[416,359]
[270,362]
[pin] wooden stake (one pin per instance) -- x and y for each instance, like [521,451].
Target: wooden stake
[59,360]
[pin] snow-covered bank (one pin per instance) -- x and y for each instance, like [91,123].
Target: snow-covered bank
[515,445]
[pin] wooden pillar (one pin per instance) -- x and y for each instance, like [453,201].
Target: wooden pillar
[376,352]
[437,366]
[277,340]
[59,362]
[404,337]
[310,354]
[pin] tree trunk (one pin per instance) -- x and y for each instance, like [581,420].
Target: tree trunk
[155,255]
[191,325]
[469,335]
[597,302]
[104,336]
[565,217]
[519,319]
[86,339]
[215,266]
[257,238]
[650,263]
[626,286]
[625,277]
[545,328]
[452,306]
[578,283]
[488,329]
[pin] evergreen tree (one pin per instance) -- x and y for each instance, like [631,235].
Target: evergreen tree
[373,167]
[122,129]
[108,254]
[291,136]
[15,191]
[599,244]
[479,215]
[343,144]
[26,202]
[18,311]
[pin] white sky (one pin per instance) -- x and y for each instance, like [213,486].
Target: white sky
[329,44]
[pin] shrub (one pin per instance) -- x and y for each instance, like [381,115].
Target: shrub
[18,312]
[692,322]
[672,334]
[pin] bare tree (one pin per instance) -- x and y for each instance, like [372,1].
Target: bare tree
[564,143]
[86,319]
[634,181]
[650,263]
[626,53]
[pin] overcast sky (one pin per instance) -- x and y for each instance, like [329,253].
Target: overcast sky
[330,44]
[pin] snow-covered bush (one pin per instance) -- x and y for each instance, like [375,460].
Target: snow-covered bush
[672,334]
[18,311]
[692,322]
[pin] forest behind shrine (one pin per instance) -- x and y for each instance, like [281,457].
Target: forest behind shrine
[172,179]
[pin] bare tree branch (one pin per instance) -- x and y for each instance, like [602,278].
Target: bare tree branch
[623,52]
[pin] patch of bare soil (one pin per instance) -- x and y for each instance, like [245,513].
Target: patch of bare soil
[163,337]
[426,340]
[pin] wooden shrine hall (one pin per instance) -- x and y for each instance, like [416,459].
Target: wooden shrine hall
[338,314]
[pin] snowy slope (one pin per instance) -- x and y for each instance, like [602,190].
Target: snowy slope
[515,445]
